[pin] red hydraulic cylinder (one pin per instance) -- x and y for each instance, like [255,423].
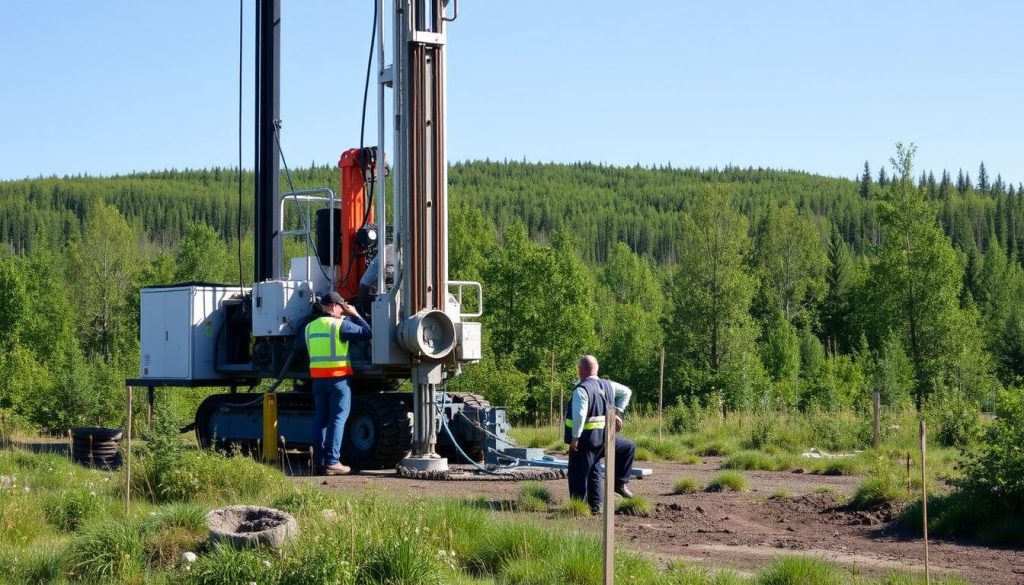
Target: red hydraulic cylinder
[353,210]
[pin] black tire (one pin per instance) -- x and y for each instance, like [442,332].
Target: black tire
[96,447]
[378,433]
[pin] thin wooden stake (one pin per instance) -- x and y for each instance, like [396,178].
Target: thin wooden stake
[924,499]
[910,482]
[876,413]
[551,392]
[609,497]
[128,458]
[661,392]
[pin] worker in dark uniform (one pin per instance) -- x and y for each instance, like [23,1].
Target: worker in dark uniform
[327,339]
[593,401]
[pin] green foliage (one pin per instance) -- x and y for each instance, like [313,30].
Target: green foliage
[728,481]
[202,257]
[953,420]
[994,469]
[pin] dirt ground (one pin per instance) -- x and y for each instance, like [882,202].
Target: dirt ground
[743,531]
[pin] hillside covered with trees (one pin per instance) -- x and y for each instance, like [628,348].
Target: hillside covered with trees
[768,289]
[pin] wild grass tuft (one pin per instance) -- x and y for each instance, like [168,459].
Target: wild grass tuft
[536,490]
[685,485]
[779,495]
[68,510]
[716,448]
[223,564]
[643,454]
[884,485]
[574,508]
[107,553]
[728,481]
[799,571]
[635,506]
[757,460]
[843,466]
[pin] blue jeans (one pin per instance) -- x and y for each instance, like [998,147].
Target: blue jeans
[332,400]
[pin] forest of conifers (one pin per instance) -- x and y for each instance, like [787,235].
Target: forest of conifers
[768,289]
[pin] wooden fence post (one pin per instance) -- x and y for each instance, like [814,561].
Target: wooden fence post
[924,499]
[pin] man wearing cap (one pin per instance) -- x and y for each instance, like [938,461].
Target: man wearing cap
[327,339]
[593,400]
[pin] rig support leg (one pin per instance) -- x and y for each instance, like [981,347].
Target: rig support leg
[269,427]
[424,456]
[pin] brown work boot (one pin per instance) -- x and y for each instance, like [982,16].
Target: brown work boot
[337,469]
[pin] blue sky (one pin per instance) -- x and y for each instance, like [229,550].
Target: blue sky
[116,86]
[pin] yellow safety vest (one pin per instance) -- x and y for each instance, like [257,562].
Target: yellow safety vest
[328,355]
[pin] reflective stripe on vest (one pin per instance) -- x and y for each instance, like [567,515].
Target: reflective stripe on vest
[592,422]
[328,355]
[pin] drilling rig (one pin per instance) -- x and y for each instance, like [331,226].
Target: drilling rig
[202,334]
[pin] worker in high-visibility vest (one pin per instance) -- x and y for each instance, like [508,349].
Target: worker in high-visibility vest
[327,339]
[593,400]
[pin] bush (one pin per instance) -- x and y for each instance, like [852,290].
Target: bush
[728,481]
[685,485]
[68,510]
[953,420]
[683,417]
[994,469]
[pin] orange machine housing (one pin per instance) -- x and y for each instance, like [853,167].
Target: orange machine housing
[352,263]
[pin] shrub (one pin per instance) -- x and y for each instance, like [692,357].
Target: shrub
[685,485]
[106,553]
[683,417]
[728,481]
[953,420]
[994,469]
[68,510]
[635,506]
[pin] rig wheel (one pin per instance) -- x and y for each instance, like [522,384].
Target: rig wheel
[378,434]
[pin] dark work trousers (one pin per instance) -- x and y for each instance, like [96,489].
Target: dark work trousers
[584,476]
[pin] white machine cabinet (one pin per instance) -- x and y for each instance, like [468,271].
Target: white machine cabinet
[178,331]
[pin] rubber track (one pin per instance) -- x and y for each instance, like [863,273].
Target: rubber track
[479,406]
[393,427]
[516,474]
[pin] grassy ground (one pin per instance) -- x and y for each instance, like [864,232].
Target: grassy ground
[63,524]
